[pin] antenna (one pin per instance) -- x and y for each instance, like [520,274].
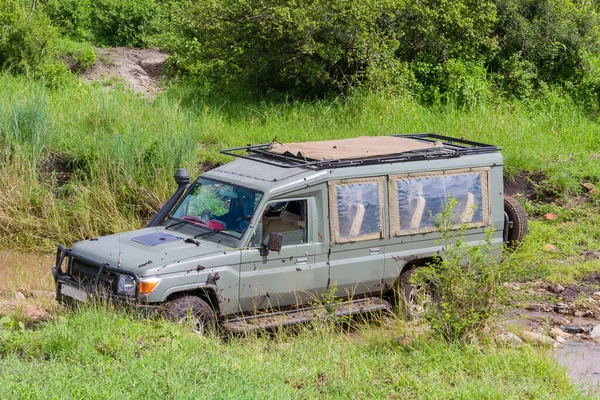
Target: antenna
[119,258]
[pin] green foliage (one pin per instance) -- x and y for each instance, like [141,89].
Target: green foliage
[9,323]
[305,48]
[434,32]
[54,74]
[26,35]
[468,280]
[547,38]
[122,22]
[106,22]
[80,56]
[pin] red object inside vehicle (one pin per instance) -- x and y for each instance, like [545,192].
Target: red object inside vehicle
[215,225]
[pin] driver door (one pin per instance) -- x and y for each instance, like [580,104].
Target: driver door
[293,276]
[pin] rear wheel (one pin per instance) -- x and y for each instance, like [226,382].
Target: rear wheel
[193,312]
[515,220]
[413,300]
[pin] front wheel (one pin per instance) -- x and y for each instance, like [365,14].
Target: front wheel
[193,312]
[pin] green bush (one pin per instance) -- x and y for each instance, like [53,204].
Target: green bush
[26,36]
[106,22]
[468,280]
[123,22]
[545,37]
[308,49]
[79,56]
[73,17]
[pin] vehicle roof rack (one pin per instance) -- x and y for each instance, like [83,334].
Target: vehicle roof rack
[452,147]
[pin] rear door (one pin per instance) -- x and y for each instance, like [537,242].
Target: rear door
[357,230]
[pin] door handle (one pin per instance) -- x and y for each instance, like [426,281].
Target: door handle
[374,250]
[302,260]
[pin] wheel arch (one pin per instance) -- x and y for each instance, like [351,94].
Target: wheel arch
[207,293]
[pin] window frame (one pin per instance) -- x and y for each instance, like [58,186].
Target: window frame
[334,221]
[394,207]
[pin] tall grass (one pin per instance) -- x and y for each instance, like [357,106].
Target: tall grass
[119,150]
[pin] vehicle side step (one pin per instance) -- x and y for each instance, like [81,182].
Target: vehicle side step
[273,320]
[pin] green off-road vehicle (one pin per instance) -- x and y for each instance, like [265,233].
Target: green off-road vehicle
[256,242]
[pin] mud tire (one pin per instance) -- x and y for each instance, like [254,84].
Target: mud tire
[409,305]
[515,213]
[193,312]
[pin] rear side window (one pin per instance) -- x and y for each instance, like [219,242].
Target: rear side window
[417,200]
[356,209]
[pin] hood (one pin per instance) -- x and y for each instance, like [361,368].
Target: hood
[145,249]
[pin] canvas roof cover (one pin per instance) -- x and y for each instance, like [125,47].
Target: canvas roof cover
[344,149]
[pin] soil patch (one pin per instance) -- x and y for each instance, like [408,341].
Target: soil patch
[139,69]
[523,185]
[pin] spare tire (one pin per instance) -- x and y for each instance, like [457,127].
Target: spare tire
[515,222]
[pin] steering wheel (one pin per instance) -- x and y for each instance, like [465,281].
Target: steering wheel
[206,215]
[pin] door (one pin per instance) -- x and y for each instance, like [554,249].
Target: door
[357,231]
[298,273]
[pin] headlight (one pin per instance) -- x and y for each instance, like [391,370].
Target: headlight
[126,285]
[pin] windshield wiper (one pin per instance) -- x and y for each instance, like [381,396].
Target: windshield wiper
[174,224]
[207,233]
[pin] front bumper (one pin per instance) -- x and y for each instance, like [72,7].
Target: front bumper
[79,279]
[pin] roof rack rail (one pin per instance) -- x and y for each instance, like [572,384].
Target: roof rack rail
[452,147]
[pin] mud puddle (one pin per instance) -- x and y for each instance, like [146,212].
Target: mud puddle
[582,360]
[24,272]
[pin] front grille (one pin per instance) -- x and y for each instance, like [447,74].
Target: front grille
[85,273]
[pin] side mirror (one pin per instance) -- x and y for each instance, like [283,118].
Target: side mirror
[273,243]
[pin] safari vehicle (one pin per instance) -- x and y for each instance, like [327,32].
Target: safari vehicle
[255,242]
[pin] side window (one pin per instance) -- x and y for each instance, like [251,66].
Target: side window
[356,209]
[416,201]
[288,218]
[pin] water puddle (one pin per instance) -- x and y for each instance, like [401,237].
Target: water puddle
[582,360]
[25,272]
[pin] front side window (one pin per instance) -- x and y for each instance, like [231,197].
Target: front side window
[218,206]
[417,201]
[356,209]
[289,218]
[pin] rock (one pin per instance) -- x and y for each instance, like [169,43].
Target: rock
[511,285]
[556,333]
[555,288]
[572,329]
[537,338]
[550,247]
[509,339]
[561,308]
[536,307]
[549,216]
[35,314]
[560,340]
[589,186]
[595,333]
[19,296]
[591,254]
[596,296]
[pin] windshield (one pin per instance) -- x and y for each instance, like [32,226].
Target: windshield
[218,206]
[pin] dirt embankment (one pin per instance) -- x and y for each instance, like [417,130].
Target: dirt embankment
[139,69]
